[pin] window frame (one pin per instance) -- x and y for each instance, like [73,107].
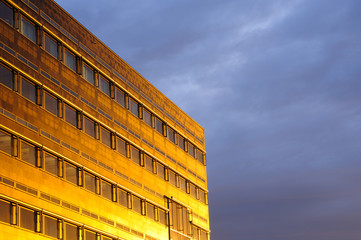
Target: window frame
[67,52]
[51,39]
[46,93]
[27,35]
[27,95]
[91,80]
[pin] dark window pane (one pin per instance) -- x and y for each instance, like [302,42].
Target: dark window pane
[193,190]
[134,107]
[27,219]
[120,97]
[148,163]
[28,90]
[203,235]
[89,127]
[70,60]
[107,190]
[202,196]
[6,13]
[135,155]
[28,153]
[159,125]
[28,29]
[51,226]
[195,233]
[71,173]
[71,232]
[182,184]
[137,204]
[191,149]
[105,136]
[162,216]
[51,163]
[5,142]
[147,116]
[160,170]
[172,178]
[121,146]
[122,197]
[89,182]
[171,135]
[199,156]
[70,115]
[4,211]
[6,76]
[88,74]
[51,103]
[150,211]
[90,235]
[51,46]
[104,85]
[180,142]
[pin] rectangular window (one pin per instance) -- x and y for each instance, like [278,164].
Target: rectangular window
[105,136]
[28,90]
[159,125]
[89,127]
[28,29]
[162,216]
[106,238]
[172,178]
[6,76]
[120,97]
[6,13]
[122,197]
[171,134]
[134,107]
[70,231]
[135,155]
[148,163]
[107,190]
[150,211]
[70,115]
[88,74]
[71,173]
[51,103]
[137,204]
[90,182]
[147,116]
[28,153]
[5,209]
[70,60]
[51,46]
[51,163]
[199,156]
[191,149]
[202,196]
[89,235]
[193,190]
[160,170]
[5,142]
[182,184]
[121,146]
[50,226]
[104,85]
[195,232]
[27,218]
[181,142]
[203,235]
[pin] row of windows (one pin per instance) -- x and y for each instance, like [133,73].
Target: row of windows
[75,174]
[44,223]
[75,63]
[76,118]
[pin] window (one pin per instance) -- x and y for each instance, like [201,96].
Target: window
[193,190]
[162,216]
[70,231]
[107,190]
[6,75]
[5,209]
[135,155]
[88,74]
[120,97]
[171,134]
[5,142]
[182,184]
[51,46]
[137,205]
[89,235]
[51,163]
[150,211]
[28,29]
[28,90]
[191,149]
[160,170]
[122,197]
[159,125]
[90,182]
[134,107]
[70,115]
[203,235]
[105,137]
[195,232]
[199,156]
[104,85]
[6,13]
[27,218]
[71,173]
[148,163]
[51,103]
[106,238]
[147,116]
[28,153]
[89,127]
[50,226]
[70,60]
[121,146]
[180,218]
[181,142]
[172,178]
[202,196]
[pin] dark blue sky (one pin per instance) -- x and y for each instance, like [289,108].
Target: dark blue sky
[277,87]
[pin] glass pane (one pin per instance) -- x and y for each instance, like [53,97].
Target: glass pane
[191,149]
[159,126]
[89,127]
[70,60]
[106,238]
[134,108]
[50,226]
[89,182]
[28,29]
[180,142]
[90,235]
[6,75]
[107,190]
[171,135]
[162,216]
[27,219]
[71,232]
[120,97]
[89,74]
[160,170]
[122,197]
[51,103]
[71,173]
[203,235]
[148,163]
[6,13]
[121,146]
[135,155]
[70,115]
[182,184]
[150,211]
[172,178]
[105,136]
[51,46]
[4,211]
[28,153]
[137,204]
[5,142]
[28,90]
[51,163]
[104,85]
[199,156]
[195,233]
[193,190]
[147,116]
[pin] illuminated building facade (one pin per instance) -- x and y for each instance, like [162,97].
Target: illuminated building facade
[89,149]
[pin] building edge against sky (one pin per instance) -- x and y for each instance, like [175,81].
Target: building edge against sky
[89,149]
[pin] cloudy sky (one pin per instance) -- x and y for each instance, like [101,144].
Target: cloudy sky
[276,85]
